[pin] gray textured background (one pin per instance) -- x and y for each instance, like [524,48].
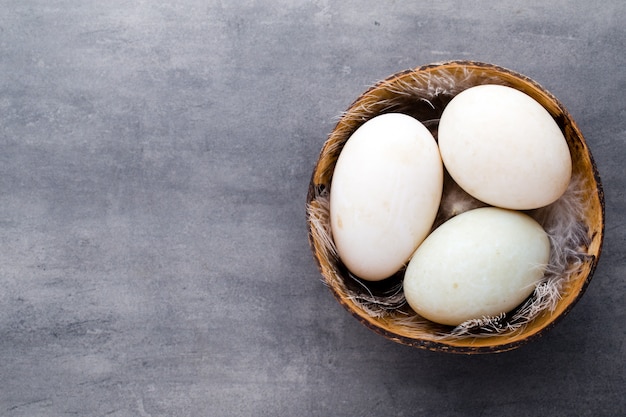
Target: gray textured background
[154,161]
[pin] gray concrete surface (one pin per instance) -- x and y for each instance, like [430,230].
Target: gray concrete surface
[154,160]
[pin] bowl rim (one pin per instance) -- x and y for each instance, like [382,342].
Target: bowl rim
[445,345]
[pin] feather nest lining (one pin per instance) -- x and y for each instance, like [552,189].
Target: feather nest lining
[424,97]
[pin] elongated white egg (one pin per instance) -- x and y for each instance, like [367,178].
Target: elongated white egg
[483,262]
[504,148]
[385,192]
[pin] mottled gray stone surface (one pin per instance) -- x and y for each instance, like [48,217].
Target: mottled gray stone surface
[154,160]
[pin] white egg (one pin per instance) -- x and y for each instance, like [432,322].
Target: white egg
[504,148]
[384,195]
[481,263]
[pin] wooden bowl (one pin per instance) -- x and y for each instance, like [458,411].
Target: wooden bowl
[423,93]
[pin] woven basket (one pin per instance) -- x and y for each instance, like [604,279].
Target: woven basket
[439,83]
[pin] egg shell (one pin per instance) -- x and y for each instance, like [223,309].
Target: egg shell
[384,196]
[504,148]
[481,263]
